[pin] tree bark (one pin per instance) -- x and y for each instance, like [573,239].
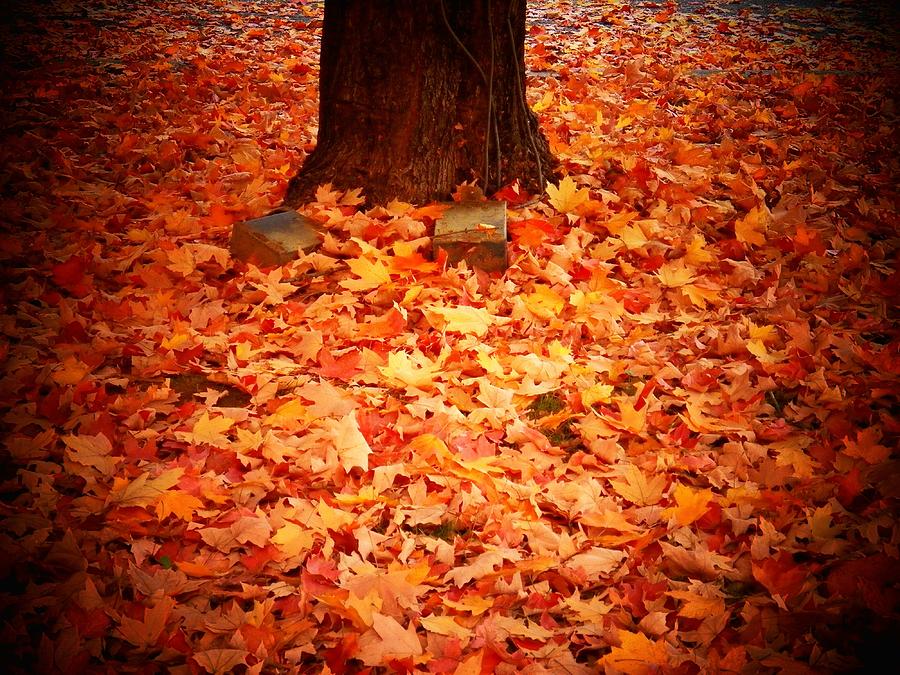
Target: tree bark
[417,96]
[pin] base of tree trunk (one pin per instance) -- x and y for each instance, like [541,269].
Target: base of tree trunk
[418,96]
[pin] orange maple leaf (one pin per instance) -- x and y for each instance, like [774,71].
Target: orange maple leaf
[692,504]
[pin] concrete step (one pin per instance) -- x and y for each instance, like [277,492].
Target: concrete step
[274,239]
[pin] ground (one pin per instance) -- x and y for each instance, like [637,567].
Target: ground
[664,440]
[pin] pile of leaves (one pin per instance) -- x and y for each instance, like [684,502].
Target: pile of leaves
[665,440]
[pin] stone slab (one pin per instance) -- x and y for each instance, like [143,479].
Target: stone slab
[474,232]
[275,239]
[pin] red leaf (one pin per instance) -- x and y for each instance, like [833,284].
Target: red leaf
[70,273]
[781,576]
[343,368]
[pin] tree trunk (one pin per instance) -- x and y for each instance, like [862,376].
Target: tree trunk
[417,96]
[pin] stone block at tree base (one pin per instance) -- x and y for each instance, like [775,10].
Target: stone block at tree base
[474,232]
[274,239]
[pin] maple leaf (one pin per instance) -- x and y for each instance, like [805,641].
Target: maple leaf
[596,561]
[444,625]
[388,640]
[636,488]
[208,430]
[467,320]
[220,661]
[93,451]
[483,565]
[292,539]
[471,603]
[820,523]
[637,654]
[597,393]
[566,197]
[411,370]
[220,538]
[544,302]
[781,576]
[352,447]
[72,371]
[178,503]
[702,295]
[633,236]
[698,606]
[274,288]
[751,229]
[630,417]
[251,529]
[397,588]
[372,274]
[675,274]
[182,260]
[519,628]
[692,504]
[866,446]
[343,367]
[143,490]
[144,634]
[697,253]
[289,415]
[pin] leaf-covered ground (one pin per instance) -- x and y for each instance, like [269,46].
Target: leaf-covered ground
[665,440]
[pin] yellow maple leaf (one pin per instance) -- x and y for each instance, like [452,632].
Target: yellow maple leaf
[617,223]
[521,628]
[412,370]
[472,603]
[388,640]
[179,340]
[332,518]
[444,625]
[544,302]
[483,565]
[674,274]
[288,415]
[701,296]
[292,539]
[251,529]
[598,393]
[181,260]
[820,523]
[766,333]
[633,236]
[792,452]
[637,489]
[208,430]
[637,654]
[697,606]
[696,253]
[143,490]
[372,274]
[566,197]
[352,447]
[692,504]
[596,561]
[751,228]
[630,418]
[177,502]
[467,320]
